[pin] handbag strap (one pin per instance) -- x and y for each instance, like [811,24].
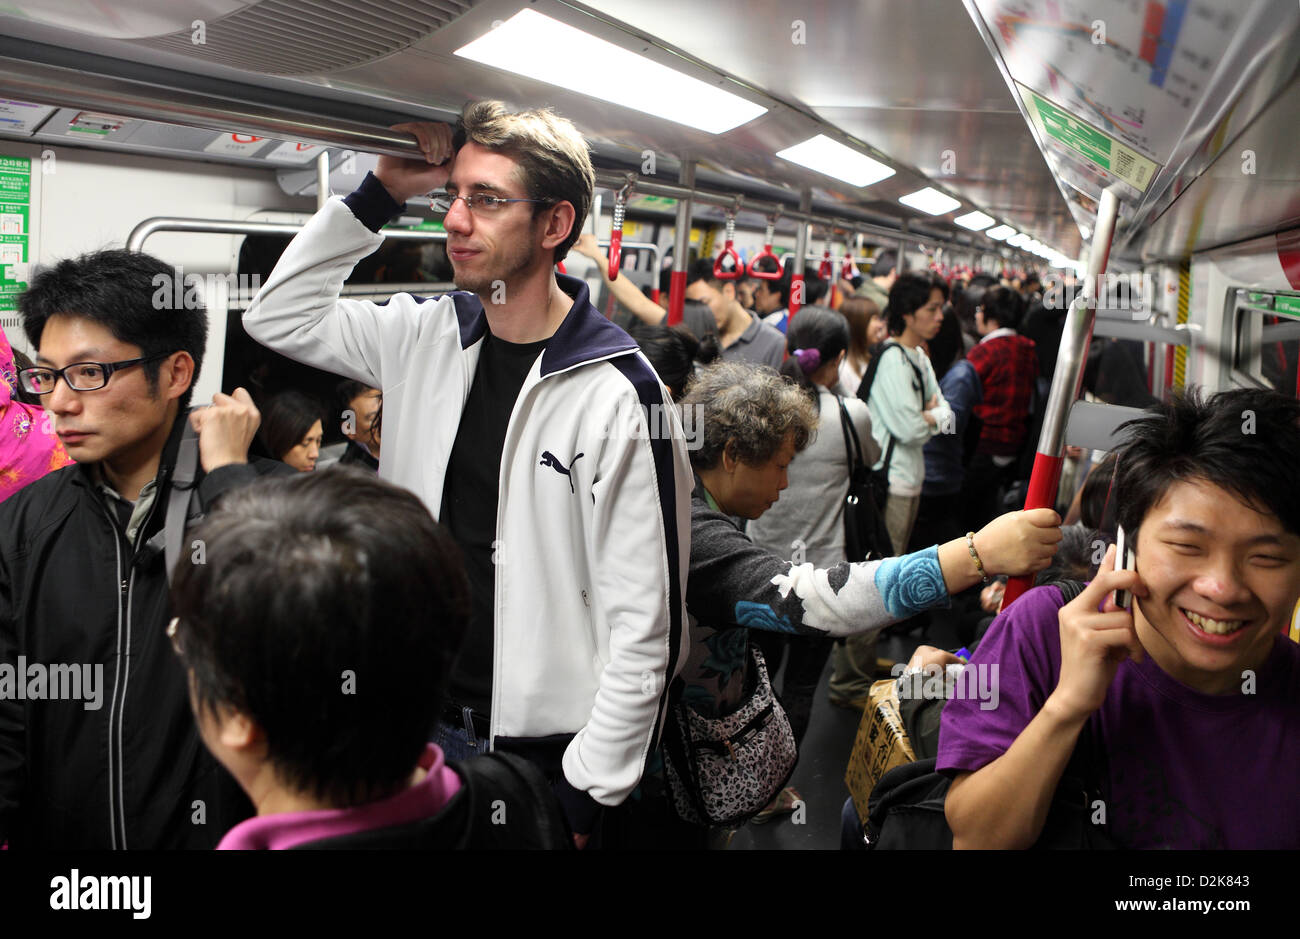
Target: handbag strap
[853,451]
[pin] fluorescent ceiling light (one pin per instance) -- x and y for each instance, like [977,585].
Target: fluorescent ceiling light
[547,50]
[1002,231]
[930,200]
[975,221]
[833,158]
[1018,240]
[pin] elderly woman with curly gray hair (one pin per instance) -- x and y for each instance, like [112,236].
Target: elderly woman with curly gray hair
[754,422]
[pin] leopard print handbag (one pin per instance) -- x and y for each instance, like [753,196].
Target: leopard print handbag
[723,771]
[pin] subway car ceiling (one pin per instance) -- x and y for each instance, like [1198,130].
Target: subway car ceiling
[1024,110]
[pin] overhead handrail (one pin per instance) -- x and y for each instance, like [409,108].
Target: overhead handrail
[616,233]
[216,226]
[767,254]
[737,269]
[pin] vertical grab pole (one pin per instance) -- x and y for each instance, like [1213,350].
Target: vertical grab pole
[800,249]
[1067,379]
[322,179]
[681,245]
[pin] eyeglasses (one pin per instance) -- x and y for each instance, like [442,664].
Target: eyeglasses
[80,376]
[478,202]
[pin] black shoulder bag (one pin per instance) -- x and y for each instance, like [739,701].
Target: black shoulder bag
[865,534]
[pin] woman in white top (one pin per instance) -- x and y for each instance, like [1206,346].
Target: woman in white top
[807,522]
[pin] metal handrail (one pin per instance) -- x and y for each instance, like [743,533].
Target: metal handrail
[213,226]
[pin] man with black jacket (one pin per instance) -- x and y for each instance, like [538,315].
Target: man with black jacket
[98,748]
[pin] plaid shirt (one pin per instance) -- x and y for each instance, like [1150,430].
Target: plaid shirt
[1007,365]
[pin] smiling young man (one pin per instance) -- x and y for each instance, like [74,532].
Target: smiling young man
[501,404]
[85,554]
[1185,710]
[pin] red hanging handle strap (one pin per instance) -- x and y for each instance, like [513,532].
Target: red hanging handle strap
[616,233]
[767,253]
[825,270]
[737,269]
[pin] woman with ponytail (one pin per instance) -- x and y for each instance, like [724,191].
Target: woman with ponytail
[807,522]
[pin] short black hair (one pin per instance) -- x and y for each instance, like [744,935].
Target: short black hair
[910,292]
[702,269]
[1004,306]
[132,295]
[814,288]
[286,419]
[885,262]
[673,351]
[1245,441]
[310,583]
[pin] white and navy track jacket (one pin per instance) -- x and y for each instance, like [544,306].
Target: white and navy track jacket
[590,609]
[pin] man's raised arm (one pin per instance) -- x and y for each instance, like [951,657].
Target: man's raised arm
[298,311]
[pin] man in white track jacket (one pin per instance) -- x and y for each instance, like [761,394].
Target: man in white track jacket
[533,428]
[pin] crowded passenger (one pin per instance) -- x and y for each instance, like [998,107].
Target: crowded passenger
[1007,364]
[744,337]
[1164,704]
[499,400]
[884,272]
[674,353]
[866,329]
[360,407]
[292,429]
[772,295]
[85,560]
[907,409]
[317,638]
[28,446]
[807,522]
[757,422]
[696,315]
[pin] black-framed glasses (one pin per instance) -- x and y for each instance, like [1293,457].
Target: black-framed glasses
[478,202]
[80,376]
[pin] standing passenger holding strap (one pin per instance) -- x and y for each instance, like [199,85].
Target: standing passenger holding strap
[519,415]
[907,409]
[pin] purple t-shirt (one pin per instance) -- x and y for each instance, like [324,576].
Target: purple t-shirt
[1183,769]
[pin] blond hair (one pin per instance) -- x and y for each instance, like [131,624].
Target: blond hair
[554,162]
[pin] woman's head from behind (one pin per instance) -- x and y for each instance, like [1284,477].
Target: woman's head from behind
[753,423]
[319,632]
[673,351]
[817,340]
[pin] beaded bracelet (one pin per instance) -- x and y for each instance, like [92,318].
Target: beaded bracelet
[979,565]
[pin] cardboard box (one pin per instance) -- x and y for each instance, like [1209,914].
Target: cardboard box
[881,743]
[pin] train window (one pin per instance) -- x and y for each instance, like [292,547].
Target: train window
[1266,346]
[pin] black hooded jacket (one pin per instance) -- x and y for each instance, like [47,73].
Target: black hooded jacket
[131,773]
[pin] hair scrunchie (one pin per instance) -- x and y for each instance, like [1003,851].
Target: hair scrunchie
[809,360]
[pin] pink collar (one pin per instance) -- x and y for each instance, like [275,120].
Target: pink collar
[287,829]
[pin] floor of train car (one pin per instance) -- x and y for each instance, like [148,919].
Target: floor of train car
[819,775]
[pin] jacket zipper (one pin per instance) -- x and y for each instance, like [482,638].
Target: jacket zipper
[126,587]
[123,599]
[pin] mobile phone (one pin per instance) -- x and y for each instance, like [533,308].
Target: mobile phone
[1124,561]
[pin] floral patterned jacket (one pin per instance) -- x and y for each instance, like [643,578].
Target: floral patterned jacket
[735,586]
